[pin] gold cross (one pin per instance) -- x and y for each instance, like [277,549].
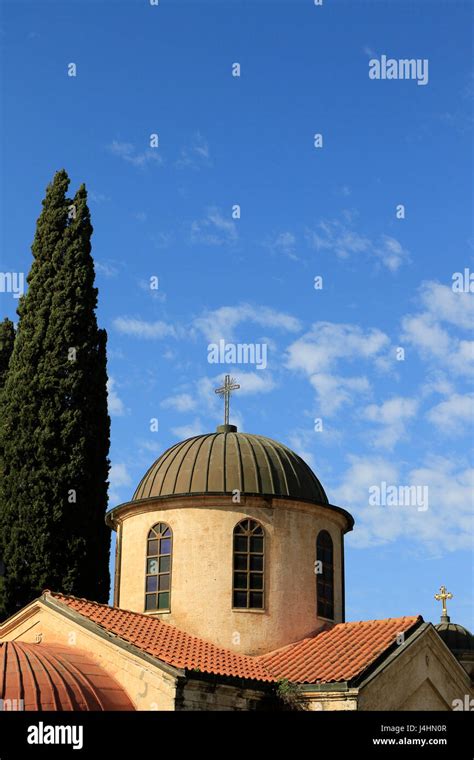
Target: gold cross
[442,596]
[229,386]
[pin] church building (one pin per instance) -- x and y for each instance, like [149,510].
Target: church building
[229,594]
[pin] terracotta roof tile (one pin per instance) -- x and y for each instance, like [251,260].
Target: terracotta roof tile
[167,643]
[338,654]
[55,677]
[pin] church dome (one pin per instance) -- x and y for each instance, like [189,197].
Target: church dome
[55,677]
[224,461]
[456,637]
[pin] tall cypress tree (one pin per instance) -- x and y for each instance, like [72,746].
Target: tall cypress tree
[54,431]
[7,337]
[75,355]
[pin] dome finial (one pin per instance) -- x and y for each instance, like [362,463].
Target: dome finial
[441,597]
[229,386]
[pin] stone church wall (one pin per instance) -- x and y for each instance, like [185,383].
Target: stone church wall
[148,687]
[199,695]
[424,677]
[201,584]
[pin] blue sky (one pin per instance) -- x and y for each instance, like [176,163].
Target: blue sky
[305,212]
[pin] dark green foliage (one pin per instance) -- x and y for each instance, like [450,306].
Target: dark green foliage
[7,336]
[54,428]
[291,695]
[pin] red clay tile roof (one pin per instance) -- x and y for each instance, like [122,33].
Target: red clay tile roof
[54,677]
[167,643]
[337,654]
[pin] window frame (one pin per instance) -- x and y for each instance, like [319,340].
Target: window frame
[322,599]
[249,525]
[158,533]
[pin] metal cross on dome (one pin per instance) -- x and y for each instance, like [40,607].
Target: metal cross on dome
[442,596]
[229,386]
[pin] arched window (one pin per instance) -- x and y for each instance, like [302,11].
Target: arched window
[248,571]
[158,568]
[325,575]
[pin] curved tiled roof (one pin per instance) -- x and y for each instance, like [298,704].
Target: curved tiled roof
[165,642]
[54,677]
[222,462]
[338,654]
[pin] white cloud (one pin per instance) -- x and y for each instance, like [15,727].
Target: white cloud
[336,237]
[148,330]
[455,415]
[328,342]
[299,440]
[115,404]
[255,382]
[107,268]
[214,325]
[156,294]
[334,391]
[437,382]
[339,238]
[203,396]
[119,477]
[196,155]
[214,229]
[319,352]
[182,402]
[129,153]
[427,332]
[390,252]
[445,526]
[392,416]
[190,430]
[153,446]
[222,322]
[451,489]
[285,243]
[447,306]
[363,472]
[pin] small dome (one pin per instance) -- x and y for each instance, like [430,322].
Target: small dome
[456,637]
[53,677]
[225,461]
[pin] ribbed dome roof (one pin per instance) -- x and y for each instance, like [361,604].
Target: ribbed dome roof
[53,677]
[224,461]
[456,637]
